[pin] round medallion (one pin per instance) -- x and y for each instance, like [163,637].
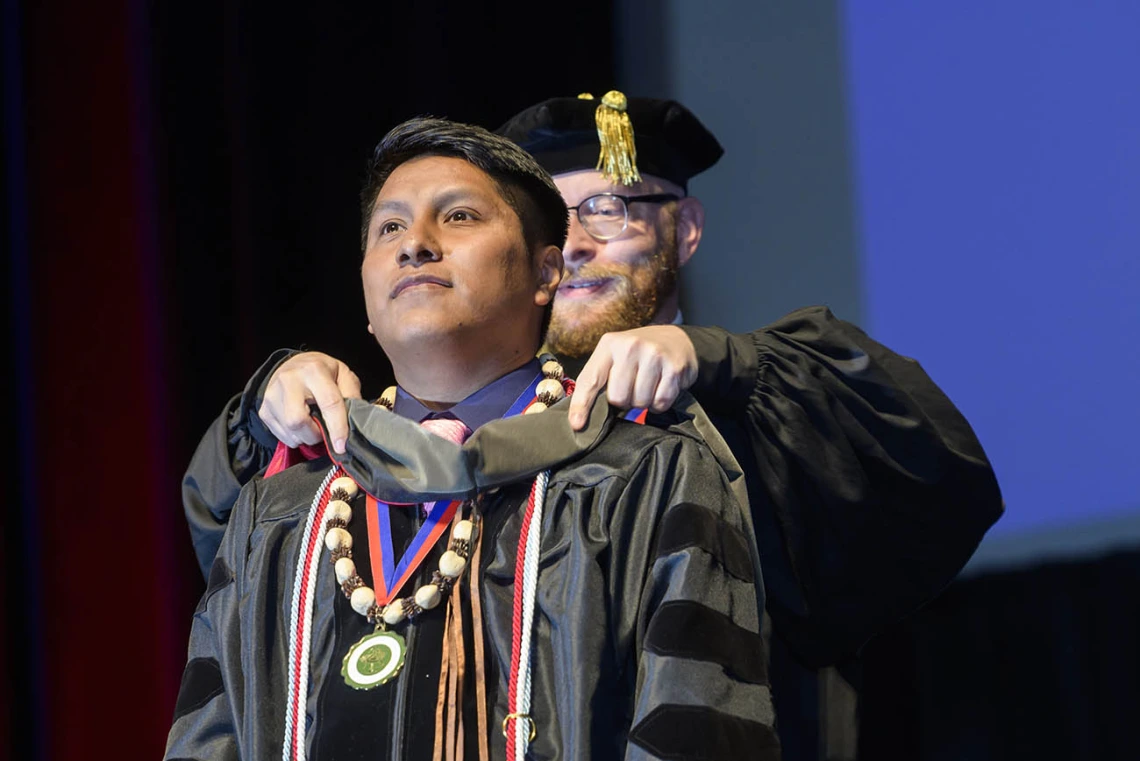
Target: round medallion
[374,660]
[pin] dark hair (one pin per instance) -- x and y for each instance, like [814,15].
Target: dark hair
[523,184]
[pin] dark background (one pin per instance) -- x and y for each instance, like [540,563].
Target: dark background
[181,198]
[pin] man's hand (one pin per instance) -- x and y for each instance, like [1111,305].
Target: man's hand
[304,379]
[644,367]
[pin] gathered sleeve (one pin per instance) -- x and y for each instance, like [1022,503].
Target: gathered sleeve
[236,447]
[869,489]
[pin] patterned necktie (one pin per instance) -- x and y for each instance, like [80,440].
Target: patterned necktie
[447,428]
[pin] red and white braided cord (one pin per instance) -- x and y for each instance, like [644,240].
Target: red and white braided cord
[301,620]
[526,589]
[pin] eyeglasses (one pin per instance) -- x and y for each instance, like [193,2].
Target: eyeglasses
[606,215]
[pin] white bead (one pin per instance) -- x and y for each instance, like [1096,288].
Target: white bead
[346,483]
[463,530]
[427,596]
[362,599]
[536,407]
[337,538]
[345,570]
[339,510]
[394,613]
[388,398]
[551,369]
[451,564]
[551,387]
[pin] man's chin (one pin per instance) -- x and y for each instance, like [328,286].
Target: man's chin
[578,324]
[585,320]
[419,334]
[576,334]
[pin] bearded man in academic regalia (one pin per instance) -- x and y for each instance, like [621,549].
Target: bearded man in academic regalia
[466,578]
[868,489]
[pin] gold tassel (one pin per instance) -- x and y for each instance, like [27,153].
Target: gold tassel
[618,157]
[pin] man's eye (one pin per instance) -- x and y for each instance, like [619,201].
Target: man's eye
[459,215]
[389,227]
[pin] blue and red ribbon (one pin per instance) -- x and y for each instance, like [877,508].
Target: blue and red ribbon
[390,575]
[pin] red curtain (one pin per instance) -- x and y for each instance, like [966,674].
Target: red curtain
[112,599]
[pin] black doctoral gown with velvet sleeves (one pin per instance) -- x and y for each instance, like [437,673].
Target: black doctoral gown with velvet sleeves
[647,640]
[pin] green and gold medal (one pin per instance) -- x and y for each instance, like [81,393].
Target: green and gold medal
[374,660]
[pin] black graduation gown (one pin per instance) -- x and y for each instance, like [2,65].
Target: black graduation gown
[868,488]
[648,618]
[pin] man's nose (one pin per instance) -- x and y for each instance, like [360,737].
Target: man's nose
[417,247]
[580,245]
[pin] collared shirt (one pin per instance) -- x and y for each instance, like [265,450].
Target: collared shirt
[488,403]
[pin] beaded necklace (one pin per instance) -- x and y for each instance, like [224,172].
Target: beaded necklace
[378,657]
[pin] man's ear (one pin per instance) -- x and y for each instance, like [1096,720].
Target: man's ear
[690,225]
[549,274]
